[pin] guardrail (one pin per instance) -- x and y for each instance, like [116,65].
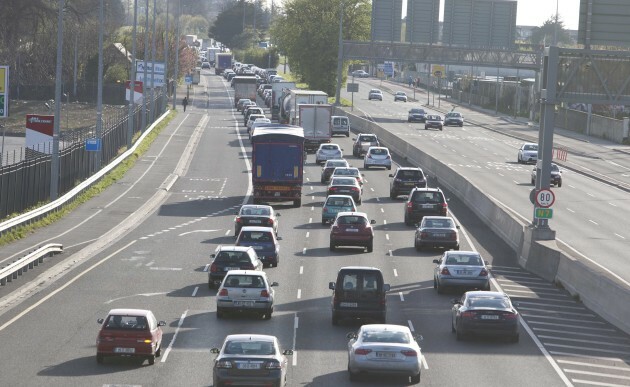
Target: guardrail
[22,265]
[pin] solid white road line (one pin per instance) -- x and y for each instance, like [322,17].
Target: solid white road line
[299,293]
[308,234]
[205,268]
[580,363]
[586,348]
[582,356]
[395,273]
[170,346]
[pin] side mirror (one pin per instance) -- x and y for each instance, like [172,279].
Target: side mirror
[274,284]
[213,255]
[487,263]
[372,221]
[386,287]
[416,225]
[455,301]
[278,214]
[331,285]
[354,138]
[418,338]
[214,350]
[391,175]
[457,227]
[100,320]
[436,261]
[161,323]
[279,238]
[288,352]
[236,213]
[351,335]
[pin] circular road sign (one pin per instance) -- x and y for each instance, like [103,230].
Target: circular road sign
[545,198]
[437,73]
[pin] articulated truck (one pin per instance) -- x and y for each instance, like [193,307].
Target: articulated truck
[224,61]
[289,106]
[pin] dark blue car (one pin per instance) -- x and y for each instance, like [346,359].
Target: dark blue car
[264,241]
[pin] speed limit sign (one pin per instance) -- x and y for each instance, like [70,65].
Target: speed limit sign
[545,198]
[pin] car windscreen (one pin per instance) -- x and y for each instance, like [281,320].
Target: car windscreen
[530,147]
[232,257]
[352,220]
[464,259]
[427,197]
[244,281]
[255,211]
[385,337]
[329,147]
[437,223]
[487,302]
[126,322]
[416,111]
[344,181]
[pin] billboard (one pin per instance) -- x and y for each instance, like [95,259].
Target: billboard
[386,20]
[480,23]
[39,132]
[606,24]
[422,24]
[4,91]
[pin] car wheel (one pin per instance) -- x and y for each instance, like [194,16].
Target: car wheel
[359,201]
[297,203]
[452,327]
[559,184]
[335,319]
[353,376]
[407,222]
[389,168]
[392,195]
[440,129]
[347,134]
[487,287]
[332,246]
[151,359]
[267,314]
[515,338]
[415,379]
[210,284]
[99,358]
[518,159]
[417,246]
[365,166]
[459,335]
[434,283]
[440,288]
[370,246]
[158,353]
[324,222]
[456,247]
[220,314]
[408,120]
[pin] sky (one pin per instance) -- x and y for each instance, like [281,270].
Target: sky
[531,12]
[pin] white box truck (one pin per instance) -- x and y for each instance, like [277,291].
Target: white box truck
[315,119]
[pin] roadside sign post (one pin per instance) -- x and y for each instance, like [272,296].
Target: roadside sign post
[543,213]
[352,88]
[4,103]
[545,198]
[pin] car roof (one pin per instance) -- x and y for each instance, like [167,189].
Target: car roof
[339,196]
[350,213]
[247,337]
[130,312]
[367,268]
[436,217]
[409,169]
[337,160]
[247,272]
[426,189]
[482,293]
[257,228]
[385,327]
[233,248]
[461,252]
[256,206]
[378,147]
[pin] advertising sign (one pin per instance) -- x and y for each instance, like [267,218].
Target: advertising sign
[4,91]
[137,96]
[39,132]
[438,71]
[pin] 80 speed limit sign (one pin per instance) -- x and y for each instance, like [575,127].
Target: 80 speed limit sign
[545,198]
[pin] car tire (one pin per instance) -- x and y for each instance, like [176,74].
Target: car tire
[434,283]
[335,319]
[324,222]
[158,353]
[559,184]
[515,338]
[210,284]
[487,287]
[440,129]
[370,246]
[459,336]
[415,379]
[365,166]
[322,181]
[392,195]
[347,134]
[332,246]
[518,160]
[533,182]
[353,376]
[99,358]
[151,359]
[220,314]
[407,222]
[440,288]
[267,314]
[359,201]
[452,327]
[456,247]
[297,203]
[417,246]
[408,120]
[389,168]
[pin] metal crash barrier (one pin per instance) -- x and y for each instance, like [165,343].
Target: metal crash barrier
[15,269]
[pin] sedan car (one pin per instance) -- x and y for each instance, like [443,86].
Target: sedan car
[416,115]
[257,124]
[348,171]
[375,94]
[130,333]
[360,74]
[242,102]
[352,229]
[256,215]
[384,349]
[437,231]
[264,241]
[377,156]
[328,152]
[556,175]
[335,204]
[227,258]
[329,167]
[246,291]
[484,313]
[527,153]
[250,360]
[400,96]
[252,118]
[460,269]
[345,185]
[433,121]
[453,118]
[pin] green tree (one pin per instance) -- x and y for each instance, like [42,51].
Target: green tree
[544,35]
[234,27]
[308,32]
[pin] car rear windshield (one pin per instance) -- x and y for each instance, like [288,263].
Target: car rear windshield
[463,259]
[368,282]
[263,211]
[385,337]
[438,223]
[127,322]
[353,220]
[339,202]
[418,175]
[453,115]
[334,164]
[344,181]
[330,147]
[232,257]
[244,281]
[378,151]
[249,348]
[347,172]
[487,302]
[367,139]
[427,197]
[256,236]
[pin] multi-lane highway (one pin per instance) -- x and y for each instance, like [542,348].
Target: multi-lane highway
[144,244]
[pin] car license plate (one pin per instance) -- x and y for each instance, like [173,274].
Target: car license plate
[388,355]
[427,206]
[232,268]
[439,235]
[352,230]
[489,317]
[244,303]
[248,366]
[124,350]
[276,194]
[348,304]
[464,272]
[408,184]
[257,221]
[258,247]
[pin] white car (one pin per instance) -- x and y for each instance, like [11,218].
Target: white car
[400,96]
[246,291]
[257,122]
[377,156]
[527,153]
[328,152]
[252,118]
[384,349]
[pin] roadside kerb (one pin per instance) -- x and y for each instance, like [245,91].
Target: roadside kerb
[15,269]
[42,211]
[596,288]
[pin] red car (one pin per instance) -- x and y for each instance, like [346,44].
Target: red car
[352,229]
[129,333]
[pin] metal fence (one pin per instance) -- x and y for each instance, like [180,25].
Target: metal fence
[26,183]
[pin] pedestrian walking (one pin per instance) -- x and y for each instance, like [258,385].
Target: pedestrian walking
[185,102]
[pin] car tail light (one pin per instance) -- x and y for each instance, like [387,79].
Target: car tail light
[410,353]
[223,292]
[325,209]
[444,209]
[270,222]
[362,351]
[383,300]
[213,268]
[224,364]
[424,235]
[409,206]
[453,236]
[273,365]
[145,341]
[248,267]
[445,271]
[483,273]
[264,293]
[355,189]
[468,314]
[238,219]
[388,157]
[510,316]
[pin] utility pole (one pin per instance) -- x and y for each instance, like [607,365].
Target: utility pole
[132,91]
[54,161]
[99,92]
[145,60]
[176,74]
[339,56]
[153,63]
[166,48]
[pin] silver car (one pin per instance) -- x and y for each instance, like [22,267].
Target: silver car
[377,156]
[246,291]
[384,349]
[328,152]
[527,153]
[250,360]
[461,269]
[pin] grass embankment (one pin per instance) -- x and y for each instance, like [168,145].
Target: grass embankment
[107,180]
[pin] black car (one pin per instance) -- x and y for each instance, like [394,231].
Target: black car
[555,178]
[345,185]
[404,180]
[256,215]
[359,292]
[228,258]
[422,202]
[484,313]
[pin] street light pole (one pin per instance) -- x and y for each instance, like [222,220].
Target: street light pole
[146,62]
[132,91]
[99,92]
[152,106]
[166,48]
[339,56]
[54,161]
[176,72]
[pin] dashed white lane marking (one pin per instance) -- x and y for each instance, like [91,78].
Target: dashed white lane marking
[313,197]
[590,194]
[424,363]
[391,254]
[582,327]
[308,233]
[311,187]
[299,293]
[516,182]
[570,210]
[307,179]
[194,293]
[410,326]
[296,324]
[385,221]
[402,298]
[382,210]
[613,204]
[395,273]
[387,236]
[170,346]
[205,268]
[609,337]
[312,208]
[310,220]
[571,186]
[594,222]
[500,174]
[144,238]
[620,236]
[227,233]
[585,348]
[166,268]
[304,251]
[301,269]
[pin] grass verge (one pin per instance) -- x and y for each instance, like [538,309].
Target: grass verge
[107,180]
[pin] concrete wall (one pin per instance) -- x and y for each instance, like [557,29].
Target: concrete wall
[597,289]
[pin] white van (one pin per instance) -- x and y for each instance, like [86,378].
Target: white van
[340,125]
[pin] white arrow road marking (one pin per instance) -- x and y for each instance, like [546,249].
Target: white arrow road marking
[136,295]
